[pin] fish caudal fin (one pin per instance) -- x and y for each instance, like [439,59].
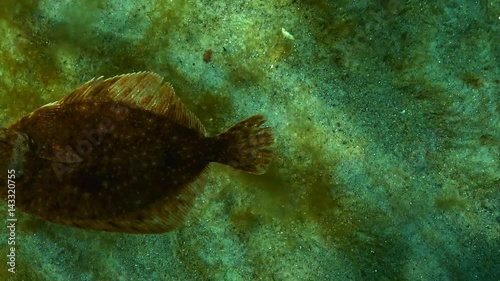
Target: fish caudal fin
[247,146]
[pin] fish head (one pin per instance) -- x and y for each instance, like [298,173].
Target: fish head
[14,147]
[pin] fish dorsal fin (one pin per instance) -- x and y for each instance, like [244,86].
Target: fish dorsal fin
[145,90]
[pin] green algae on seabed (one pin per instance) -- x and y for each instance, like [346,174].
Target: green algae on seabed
[386,116]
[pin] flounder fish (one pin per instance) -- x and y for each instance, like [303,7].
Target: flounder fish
[121,154]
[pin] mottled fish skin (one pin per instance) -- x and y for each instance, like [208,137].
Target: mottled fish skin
[122,154]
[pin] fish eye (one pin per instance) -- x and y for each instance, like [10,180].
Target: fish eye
[31,144]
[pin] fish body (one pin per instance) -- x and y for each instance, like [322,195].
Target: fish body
[121,154]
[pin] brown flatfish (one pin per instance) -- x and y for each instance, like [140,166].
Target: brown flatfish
[121,154]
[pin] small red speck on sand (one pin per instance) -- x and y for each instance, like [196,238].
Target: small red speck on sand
[207,56]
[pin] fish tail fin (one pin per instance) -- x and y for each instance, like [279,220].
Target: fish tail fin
[247,146]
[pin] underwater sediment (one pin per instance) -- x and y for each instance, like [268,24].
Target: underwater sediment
[386,118]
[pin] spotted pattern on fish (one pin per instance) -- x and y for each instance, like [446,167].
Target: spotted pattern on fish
[122,154]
